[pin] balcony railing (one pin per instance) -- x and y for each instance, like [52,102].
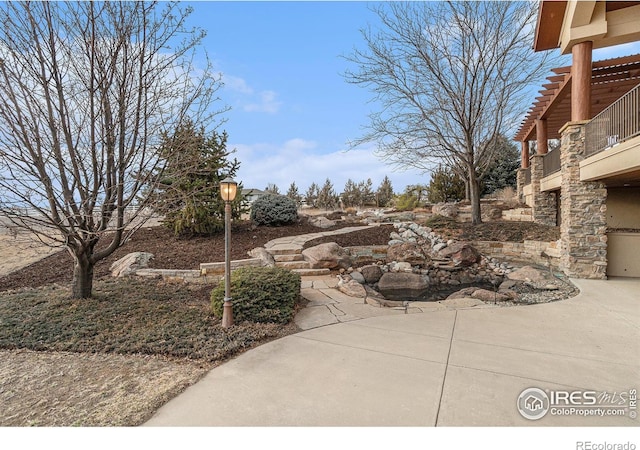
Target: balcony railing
[551,163]
[618,123]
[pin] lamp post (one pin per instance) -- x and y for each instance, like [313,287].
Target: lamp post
[228,188]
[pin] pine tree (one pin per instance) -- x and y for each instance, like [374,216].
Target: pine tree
[327,198]
[293,194]
[351,194]
[445,186]
[384,194]
[311,196]
[367,197]
[189,190]
[502,172]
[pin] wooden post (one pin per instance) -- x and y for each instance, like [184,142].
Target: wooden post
[524,161]
[581,81]
[541,136]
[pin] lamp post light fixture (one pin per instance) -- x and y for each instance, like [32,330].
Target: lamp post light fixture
[228,189]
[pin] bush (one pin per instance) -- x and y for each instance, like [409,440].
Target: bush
[260,294]
[406,202]
[274,209]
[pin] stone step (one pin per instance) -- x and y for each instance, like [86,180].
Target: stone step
[293,264]
[285,249]
[287,258]
[312,272]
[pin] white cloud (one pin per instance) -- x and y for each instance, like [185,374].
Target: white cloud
[237,84]
[267,102]
[248,99]
[299,160]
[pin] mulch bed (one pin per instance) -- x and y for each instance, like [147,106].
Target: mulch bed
[170,252]
[499,231]
[373,236]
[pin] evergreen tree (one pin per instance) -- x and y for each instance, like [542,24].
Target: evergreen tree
[189,190]
[311,196]
[445,186]
[367,197]
[384,194]
[410,198]
[351,195]
[327,198]
[294,195]
[502,172]
[419,191]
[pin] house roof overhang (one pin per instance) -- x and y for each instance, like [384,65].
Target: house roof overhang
[610,80]
[549,25]
[562,24]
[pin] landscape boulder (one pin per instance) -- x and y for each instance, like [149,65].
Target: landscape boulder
[490,296]
[400,267]
[327,256]
[371,273]
[262,254]
[357,276]
[409,252]
[530,274]
[129,264]
[403,286]
[321,222]
[446,210]
[461,253]
[351,287]
[491,213]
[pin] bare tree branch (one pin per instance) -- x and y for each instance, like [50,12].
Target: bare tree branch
[449,78]
[86,90]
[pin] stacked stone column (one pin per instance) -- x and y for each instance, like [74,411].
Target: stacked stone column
[583,229]
[544,203]
[520,183]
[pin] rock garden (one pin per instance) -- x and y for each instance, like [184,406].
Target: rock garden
[418,264]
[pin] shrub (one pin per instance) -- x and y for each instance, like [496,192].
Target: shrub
[406,202]
[260,294]
[274,209]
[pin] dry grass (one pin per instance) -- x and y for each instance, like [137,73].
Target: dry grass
[112,359]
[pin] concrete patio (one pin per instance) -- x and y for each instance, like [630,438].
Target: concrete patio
[440,367]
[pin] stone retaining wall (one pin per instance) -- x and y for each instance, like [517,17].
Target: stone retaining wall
[518,215]
[368,254]
[209,273]
[527,251]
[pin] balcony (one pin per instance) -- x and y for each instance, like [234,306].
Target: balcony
[612,143]
[618,123]
[551,163]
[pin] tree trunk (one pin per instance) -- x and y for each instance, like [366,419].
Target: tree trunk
[82,277]
[474,194]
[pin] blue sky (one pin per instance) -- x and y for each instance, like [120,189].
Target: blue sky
[292,113]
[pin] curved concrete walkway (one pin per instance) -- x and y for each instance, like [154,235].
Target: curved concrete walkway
[453,367]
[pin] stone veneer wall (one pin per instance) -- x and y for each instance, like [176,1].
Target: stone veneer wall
[583,208]
[520,183]
[544,203]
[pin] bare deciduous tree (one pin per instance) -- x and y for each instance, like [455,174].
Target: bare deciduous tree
[449,76]
[86,89]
